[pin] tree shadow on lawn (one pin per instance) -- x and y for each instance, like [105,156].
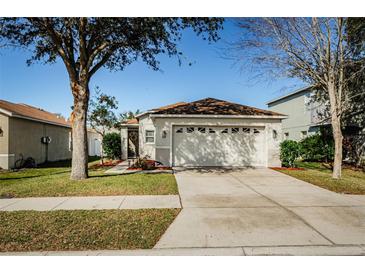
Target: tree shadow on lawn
[32,176]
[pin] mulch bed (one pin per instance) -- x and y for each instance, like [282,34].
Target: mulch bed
[151,165]
[287,168]
[109,163]
[157,168]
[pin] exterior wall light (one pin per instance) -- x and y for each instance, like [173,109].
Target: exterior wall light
[274,134]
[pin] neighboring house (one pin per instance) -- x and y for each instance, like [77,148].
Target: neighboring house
[22,128]
[302,114]
[94,142]
[207,132]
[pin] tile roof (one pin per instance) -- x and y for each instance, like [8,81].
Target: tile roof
[211,106]
[133,121]
[30,112]
[170,106]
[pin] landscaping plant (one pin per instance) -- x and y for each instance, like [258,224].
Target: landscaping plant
[112,145]
[317,148]
[289,152]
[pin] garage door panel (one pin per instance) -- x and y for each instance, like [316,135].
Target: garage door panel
[218,146]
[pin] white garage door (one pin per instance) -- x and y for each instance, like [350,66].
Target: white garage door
[218,146]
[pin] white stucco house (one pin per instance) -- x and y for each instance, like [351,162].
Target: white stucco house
[207,132]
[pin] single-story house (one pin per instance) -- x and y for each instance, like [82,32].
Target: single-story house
[24,130]
[208,132]
[303,119]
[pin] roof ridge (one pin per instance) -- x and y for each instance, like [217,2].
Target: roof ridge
[222,107]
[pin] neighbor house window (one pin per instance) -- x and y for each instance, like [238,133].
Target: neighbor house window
[150,136]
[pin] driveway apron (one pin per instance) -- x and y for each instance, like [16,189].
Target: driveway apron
[260,208]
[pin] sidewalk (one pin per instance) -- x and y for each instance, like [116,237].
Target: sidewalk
[91,202]
[349,250]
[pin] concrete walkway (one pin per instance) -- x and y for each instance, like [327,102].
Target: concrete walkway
[263,209]
[91,202]
[119,168]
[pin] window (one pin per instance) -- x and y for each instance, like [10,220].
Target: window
[179,130]
[246,130]
[201,129]
[150,136]
[256,131]
[211,130]
[189,129]
[303,133]
[235,130]
[224,130]
[286,135]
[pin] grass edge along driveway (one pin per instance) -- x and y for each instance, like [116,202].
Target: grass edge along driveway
[352,181]
[83,229]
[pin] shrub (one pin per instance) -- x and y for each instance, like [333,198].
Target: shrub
[289,152]
[317,148]
[112,145]
[144,163]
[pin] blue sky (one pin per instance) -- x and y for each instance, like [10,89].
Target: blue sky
[139,87]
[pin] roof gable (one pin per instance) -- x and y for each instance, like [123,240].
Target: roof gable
[212,106]
[33,113]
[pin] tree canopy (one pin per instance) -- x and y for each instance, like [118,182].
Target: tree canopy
[87,44]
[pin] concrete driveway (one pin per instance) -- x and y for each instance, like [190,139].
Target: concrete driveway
[257,209]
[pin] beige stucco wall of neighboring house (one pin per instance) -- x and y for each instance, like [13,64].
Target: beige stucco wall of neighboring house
[25,138]
[299,112]
[6,159]
[161,148]
[94,143]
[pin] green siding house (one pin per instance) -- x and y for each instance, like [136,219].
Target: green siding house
[302,115]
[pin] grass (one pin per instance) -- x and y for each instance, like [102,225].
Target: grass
[83,230]
[54,180]
[352,182]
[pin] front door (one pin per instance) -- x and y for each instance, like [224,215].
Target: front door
[133,143]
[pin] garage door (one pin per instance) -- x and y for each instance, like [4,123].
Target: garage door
[218,146]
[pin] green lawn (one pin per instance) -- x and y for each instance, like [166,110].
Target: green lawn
[54,181]
[83,230]
[352,182]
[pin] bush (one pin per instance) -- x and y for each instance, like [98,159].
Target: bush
[289,152]
[112,145]
[144,163]
[317,148]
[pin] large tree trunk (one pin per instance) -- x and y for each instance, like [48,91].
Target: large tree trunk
[79,131]
[337,132]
